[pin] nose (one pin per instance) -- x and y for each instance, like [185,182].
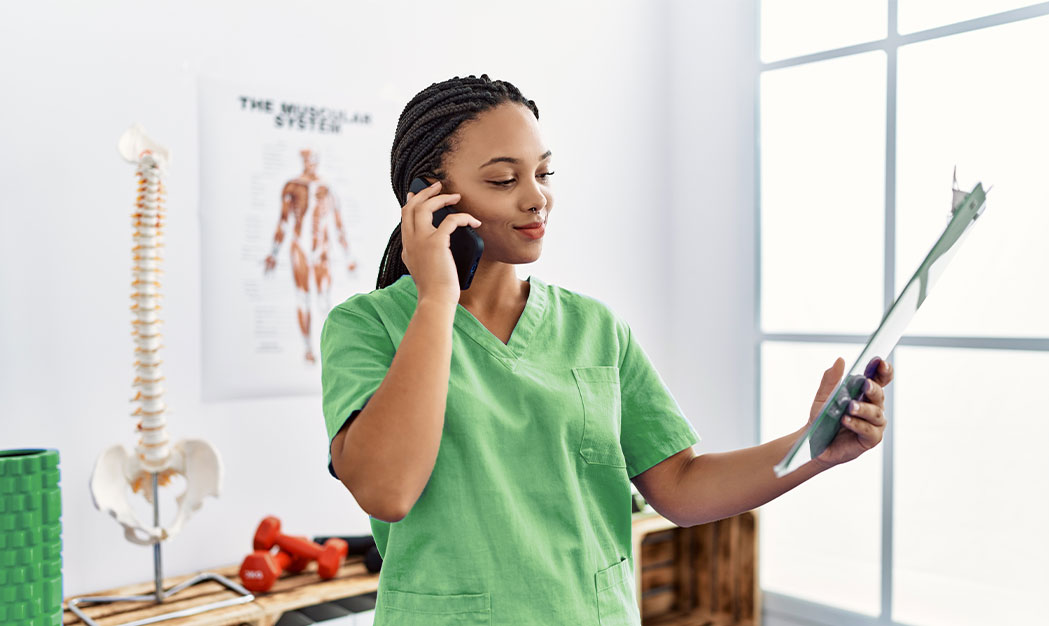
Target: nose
[534,198]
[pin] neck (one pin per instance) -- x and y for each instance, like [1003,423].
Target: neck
[494,286]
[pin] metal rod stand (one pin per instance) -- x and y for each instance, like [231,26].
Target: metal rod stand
[159,594]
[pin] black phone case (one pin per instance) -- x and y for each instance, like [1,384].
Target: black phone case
[466,245]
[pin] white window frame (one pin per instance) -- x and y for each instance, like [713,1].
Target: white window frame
[784,609]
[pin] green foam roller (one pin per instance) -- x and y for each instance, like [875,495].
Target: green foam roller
[19,557]
[21,520]
[30,538]
[34,572]
[14,502]
[35,499]
[52,507]
[27,592]
[52,551]
[31,500]
[18,611]
[52,532]
[27,461]
[53,569]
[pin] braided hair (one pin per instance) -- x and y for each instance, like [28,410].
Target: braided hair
[425,132]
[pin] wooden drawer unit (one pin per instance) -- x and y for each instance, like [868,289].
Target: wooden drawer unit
[703,575]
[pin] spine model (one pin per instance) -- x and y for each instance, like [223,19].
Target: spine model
[154,456]
[154,449]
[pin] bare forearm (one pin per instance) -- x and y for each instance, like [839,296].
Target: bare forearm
[388,454]
[719,485]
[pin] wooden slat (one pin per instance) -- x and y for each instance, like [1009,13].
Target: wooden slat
[727,572]
[683,567]
[656,603]
[658,552]
[748,576]
[662,576]
[703,565]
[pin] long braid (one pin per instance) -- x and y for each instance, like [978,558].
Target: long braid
[425,132]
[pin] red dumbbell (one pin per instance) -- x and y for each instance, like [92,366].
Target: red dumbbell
[329,557]
[301,562]
[262,568]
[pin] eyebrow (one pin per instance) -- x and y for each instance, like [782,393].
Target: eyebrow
[506,159]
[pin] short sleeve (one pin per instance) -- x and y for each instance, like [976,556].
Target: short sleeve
[356,353]
[653,425]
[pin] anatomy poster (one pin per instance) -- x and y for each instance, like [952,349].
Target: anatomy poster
[295,212]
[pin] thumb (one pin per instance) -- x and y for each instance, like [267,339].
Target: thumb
[831,378]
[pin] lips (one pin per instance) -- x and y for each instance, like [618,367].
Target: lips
[532,231]
[529,226]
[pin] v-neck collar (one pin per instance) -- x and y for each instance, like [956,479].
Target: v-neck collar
[510,353]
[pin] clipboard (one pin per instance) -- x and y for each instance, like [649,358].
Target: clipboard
[965,209]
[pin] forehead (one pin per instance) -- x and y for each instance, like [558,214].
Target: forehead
[509,129]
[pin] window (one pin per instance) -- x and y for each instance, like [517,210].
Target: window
[863,116]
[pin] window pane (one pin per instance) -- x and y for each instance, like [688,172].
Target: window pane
[822,540]
[971,510]
[915,15]
[791,28]
[822,195]
[997,134]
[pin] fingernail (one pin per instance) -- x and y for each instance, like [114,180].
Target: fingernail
[867,386]
[854,406]
[436,183]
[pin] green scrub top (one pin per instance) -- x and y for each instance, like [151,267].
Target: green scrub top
[526,518]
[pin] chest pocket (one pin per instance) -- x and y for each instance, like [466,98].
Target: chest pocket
[600,394]
[429,609]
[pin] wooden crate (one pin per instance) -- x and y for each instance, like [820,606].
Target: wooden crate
[288,593]
[703,575]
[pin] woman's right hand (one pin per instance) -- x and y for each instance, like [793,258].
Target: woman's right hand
[427,250]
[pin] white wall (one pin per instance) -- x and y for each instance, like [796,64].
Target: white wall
[713,60]
[642,103]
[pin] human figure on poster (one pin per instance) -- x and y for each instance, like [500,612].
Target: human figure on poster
[308,197]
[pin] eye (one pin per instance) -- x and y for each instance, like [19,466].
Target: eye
[503,183]
[546,175]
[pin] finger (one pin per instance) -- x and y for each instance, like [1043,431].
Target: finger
[868,434]
[830,380]
[407,223]
[874,392]
[425,192]
[880,370]
[455,220]
[868,412]
[885,373]
[424,212]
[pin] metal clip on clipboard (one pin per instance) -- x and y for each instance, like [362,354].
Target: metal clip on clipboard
[965,208]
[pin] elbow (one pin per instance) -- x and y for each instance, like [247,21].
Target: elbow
[380,506]
[385,509]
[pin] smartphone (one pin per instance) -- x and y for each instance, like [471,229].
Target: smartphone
[467,246]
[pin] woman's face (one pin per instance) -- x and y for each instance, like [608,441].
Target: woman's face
[500,165]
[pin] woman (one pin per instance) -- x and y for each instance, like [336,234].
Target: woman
[495,430]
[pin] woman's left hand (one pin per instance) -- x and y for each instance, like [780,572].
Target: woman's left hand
[864,422]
